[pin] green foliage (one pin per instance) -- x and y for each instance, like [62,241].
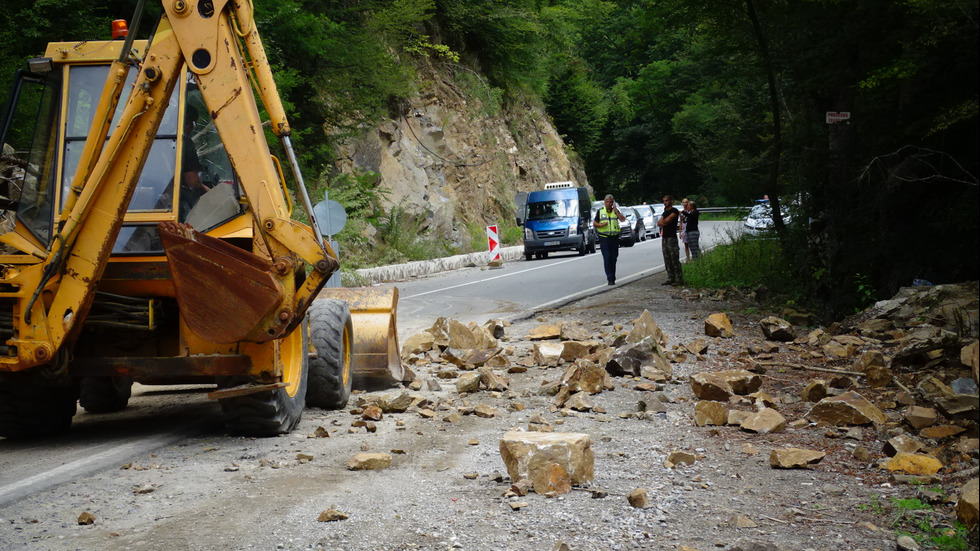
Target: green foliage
[745,262]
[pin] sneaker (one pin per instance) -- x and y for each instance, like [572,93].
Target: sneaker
[612,282]
[668,282]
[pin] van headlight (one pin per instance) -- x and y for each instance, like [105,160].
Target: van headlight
[528,233]
[572,230]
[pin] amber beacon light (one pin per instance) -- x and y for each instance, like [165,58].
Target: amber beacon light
[119,29]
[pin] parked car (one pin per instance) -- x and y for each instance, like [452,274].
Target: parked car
[649,220]
[658,212]
[632,229]
[759,221]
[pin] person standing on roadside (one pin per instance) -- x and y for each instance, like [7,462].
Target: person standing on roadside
[685,208]
[607,221]
[668,231]
[691,229]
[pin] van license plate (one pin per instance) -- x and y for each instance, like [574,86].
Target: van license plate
[552,243]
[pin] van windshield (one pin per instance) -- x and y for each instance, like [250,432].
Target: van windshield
[560,208]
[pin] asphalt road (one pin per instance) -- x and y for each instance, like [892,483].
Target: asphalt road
[161,416]
[522,287]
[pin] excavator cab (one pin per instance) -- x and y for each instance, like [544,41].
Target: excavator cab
[147,236]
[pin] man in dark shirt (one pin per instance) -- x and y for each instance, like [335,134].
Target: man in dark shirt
[671,247]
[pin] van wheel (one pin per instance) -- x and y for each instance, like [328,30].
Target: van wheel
[528,256]
[277,411]
[592,247]
[583,248]
[331,336]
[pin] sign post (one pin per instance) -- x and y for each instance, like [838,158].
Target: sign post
[494,245]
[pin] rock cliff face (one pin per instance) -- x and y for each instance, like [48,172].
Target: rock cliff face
[453,157]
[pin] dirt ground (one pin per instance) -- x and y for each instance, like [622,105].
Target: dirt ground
[446,483]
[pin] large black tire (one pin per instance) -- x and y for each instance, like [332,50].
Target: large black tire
[332,336]
[32,406]
[528,256]
[277,411]
[105,394]
[584,247]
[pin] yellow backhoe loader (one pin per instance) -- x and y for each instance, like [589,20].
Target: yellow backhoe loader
[148,236]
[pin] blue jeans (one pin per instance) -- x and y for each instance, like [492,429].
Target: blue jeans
[610,253]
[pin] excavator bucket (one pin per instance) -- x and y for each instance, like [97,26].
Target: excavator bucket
[373,315]
[224,293]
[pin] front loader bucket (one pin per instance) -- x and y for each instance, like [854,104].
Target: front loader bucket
[225,294]
[373,315]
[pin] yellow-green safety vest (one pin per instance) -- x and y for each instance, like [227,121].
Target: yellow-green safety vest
[612,228]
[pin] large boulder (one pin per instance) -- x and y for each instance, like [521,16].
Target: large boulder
[643,327]
[777,329]
[524,453]
[630,359]
[718,325]
[967,505]
[721,385]
[849,408]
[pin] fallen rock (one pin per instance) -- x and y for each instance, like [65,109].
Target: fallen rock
[764,422]
[906,543]
[902,443]
[645,327]
[493,381]
[395,402]
[449,333]
[878,376]
[698,347]
[573,451]
[630,359]
[718,325]
[711,386]
[575,350]
[545,331]
[849,408]
[547,354]
[710,412]
[814,391]
[86,518]
[572,332]
[417,344]
[369,462]
[677,457]
[970,357]
[584,376]
[921,417]
[967,505]
[794,458]
[777,329]
[468,382]
[638,498]
[331,515]
[913,463]
[579,402]
[941,431]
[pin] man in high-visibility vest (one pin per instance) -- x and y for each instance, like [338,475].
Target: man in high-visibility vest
[607,221]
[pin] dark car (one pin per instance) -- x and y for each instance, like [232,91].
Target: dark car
[632,229]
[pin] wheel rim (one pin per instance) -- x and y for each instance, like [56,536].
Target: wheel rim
[291,354]
[345,360]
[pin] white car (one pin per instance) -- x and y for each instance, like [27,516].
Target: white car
[759,221]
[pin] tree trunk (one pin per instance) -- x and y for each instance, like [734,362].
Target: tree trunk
[772,184]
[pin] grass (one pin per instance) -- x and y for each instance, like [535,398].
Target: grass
[919,521]
[744,262]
